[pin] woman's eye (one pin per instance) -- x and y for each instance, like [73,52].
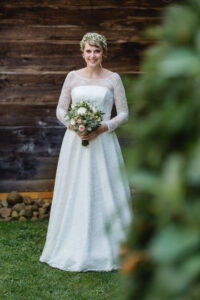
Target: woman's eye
[90,51]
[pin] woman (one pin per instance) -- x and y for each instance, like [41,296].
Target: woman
[91,212]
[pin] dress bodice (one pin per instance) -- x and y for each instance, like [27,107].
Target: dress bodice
[102,92]
[100,96]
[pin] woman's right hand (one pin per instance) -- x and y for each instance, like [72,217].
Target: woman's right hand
[82,137]
[70,126]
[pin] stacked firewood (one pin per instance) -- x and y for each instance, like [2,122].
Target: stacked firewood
[18,207]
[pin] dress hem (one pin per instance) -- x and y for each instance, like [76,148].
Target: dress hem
[114,268]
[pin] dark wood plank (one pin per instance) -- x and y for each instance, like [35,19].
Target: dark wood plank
[30,93]
[128,64]
[31,48]
[35,88]
[41,57]
[39,185]
[27,167]
[24,114]
[54,48]
[84,16]
[65,48]
[73,33]
[78,3]
[12,79]
[40,141]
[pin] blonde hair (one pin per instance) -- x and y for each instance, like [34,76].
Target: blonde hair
[94,39]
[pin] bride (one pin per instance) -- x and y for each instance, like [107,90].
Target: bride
[91,212]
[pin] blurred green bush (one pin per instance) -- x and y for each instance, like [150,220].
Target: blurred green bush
[162,259]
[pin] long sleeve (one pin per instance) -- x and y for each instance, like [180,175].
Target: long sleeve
[64,101]
[120,103]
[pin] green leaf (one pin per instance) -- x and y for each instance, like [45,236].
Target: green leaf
[170,243]
[180,62]
[147,181]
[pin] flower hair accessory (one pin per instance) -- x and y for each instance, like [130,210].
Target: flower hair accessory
[93,35]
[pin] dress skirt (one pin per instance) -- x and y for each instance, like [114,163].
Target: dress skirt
[90,213]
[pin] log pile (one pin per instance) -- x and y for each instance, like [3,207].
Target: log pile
[18,207]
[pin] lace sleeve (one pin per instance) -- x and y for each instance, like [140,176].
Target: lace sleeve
[121,105]
[64,101]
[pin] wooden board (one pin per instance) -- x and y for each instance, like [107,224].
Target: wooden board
[91,4]
[25,114]
[47,57]
[25,185]
[72,15]
[40,141]
[27,167]
[68,32]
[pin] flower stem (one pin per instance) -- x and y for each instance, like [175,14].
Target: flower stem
[85,142]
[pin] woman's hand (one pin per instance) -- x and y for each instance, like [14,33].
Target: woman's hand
[70,126]
[92,135]
[77,132]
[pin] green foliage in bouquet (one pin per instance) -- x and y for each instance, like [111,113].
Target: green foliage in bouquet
[84,117]
[162,258]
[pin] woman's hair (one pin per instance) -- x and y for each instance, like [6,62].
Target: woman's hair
[94,39]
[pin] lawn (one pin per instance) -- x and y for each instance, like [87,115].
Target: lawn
[24,277]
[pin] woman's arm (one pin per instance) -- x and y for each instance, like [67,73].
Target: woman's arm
[64,101]
[120,103]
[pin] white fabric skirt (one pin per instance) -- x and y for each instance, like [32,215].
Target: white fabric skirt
[91,213]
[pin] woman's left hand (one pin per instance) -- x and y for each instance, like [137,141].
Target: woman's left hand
[92,135]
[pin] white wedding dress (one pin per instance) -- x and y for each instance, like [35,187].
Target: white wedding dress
[91,210]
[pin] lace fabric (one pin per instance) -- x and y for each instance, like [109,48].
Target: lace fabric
[113,83]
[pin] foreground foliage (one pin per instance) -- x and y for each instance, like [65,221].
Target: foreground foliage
[163,258]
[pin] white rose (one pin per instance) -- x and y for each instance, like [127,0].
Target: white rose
[94,110]
[72,122]
[72,106]
[81,110]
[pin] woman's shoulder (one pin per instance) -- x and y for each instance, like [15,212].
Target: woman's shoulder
[113,77]
[70,76]
[110,74]
[70,73]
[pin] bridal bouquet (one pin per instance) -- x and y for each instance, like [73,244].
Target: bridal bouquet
[84,117]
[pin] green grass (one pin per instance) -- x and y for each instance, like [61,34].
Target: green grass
[24,277]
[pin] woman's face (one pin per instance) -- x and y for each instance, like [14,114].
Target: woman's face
[92,55]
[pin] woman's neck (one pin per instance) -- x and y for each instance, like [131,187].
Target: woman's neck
[93,71]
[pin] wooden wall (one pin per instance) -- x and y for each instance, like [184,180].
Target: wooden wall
[39,45]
